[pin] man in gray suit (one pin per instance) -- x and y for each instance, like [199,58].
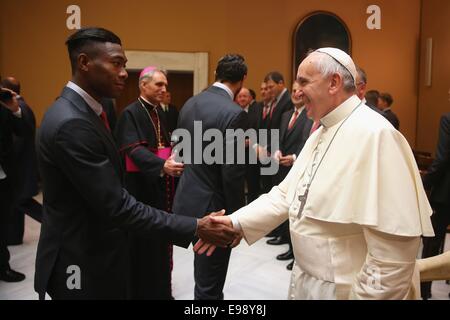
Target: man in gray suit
[205,187]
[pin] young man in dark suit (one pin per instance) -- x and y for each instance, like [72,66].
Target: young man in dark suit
[83,246]
[10,122]
[385,101]
[25,173]
[204,187]
[437,180]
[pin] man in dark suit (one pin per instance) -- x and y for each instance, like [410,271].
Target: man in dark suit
[437,180]
[142,136]
[246,101]
[10,122]
[281,98]
[83,246]
[170,112]
[385,101]
[25,173]
[295,128]
[281,102]
[219,185]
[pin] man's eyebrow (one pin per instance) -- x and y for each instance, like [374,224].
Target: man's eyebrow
[119,56]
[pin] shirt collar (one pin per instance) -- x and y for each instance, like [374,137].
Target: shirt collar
[340,112]
[92,103]
[148,102]
[224,87]
[279,96]
[300,110]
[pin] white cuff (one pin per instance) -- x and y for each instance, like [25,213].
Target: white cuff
[18,113]
[235,222]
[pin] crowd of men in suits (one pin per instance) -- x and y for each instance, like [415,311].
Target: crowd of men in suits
[380,102]
[109,191]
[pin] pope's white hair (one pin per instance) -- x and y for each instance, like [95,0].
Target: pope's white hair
[327,66]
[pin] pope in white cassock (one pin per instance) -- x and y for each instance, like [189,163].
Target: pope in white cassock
[354,197]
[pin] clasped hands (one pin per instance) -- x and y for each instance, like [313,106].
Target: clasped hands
[216,230]
[287,160]
[11,104]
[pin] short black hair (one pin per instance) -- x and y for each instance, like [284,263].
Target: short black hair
[387,97]
[275,76]
[85,37]
[252,93]
[232,68]
[372,98]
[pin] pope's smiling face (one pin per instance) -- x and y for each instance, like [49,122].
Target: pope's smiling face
[313,88]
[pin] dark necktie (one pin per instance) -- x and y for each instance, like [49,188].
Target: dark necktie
[272,108]
[105,120]
[266,110]
[294,118]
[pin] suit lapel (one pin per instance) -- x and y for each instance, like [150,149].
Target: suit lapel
[284,130]
[95,120]
[296,125]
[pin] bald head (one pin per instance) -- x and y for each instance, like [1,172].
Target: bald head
[244,97]
[11,83]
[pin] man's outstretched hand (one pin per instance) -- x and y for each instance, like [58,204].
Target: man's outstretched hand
[217,219]
[215,233]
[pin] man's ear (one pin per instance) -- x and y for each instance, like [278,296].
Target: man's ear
[83,62]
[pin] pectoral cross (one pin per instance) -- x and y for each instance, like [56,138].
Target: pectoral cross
[302,198]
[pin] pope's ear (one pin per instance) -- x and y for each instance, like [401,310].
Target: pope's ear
[335,83]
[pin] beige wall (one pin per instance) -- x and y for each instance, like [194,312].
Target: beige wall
[433,101]
[33,35]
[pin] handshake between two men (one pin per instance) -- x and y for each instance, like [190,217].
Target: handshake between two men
[216,230]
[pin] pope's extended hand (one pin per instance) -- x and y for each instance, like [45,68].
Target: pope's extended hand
[203,245]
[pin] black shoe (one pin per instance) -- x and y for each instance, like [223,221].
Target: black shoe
[11,276]
[273,233]
[276,241]
[290,265]
[286,256]
[426,295]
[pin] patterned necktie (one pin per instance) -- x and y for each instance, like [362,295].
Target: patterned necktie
[293,119]
[105,120]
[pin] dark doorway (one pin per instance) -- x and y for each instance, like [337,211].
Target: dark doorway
[318,30]
[181,87]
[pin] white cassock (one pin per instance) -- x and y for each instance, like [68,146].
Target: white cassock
[359,232]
